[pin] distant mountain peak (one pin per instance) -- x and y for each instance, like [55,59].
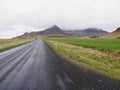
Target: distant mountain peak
[54,27]
[53,30]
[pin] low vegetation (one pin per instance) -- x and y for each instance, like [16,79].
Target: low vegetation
[90,53]
[11,43]
[101,44]
[118,37]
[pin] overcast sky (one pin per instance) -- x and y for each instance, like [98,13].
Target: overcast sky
[19,16]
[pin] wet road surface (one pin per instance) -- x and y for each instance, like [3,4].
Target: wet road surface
[35,66]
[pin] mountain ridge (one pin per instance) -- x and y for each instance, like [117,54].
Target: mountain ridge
[88,32]
[56,31]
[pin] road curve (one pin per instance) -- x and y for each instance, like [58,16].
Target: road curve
[35,66]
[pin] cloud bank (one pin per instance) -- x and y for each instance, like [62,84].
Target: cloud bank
[19,16]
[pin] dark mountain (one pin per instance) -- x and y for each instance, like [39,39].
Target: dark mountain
[31,34]
[87,32]
[115,34]
[56,31]
[53,30]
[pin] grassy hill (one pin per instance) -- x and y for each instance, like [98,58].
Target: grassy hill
[114,35]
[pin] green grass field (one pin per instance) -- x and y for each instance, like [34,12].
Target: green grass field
[90,53]
[101,44]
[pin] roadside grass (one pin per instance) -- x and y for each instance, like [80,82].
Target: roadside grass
[101,44]
[6,44]
[89,58]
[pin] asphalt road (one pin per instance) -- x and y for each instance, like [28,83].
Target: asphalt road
[35,66]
